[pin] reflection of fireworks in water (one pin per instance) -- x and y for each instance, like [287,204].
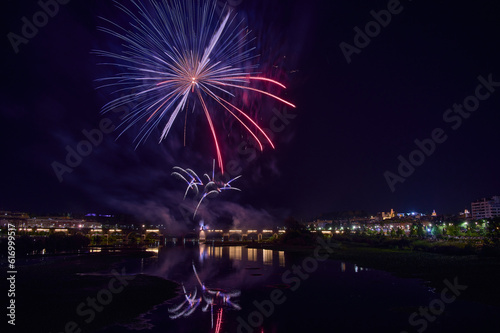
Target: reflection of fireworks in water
[191,301]
[210,187]
[211,296]
[180,52]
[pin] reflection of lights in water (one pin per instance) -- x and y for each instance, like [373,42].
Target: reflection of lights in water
[235,252]
[203,252]
[153,249]
[342,267]
[252,254]
[267,257]
[282,258]
[359,268]
[211,296]
[214,252]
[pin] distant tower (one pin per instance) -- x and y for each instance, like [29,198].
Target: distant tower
[434,213]
[203,236]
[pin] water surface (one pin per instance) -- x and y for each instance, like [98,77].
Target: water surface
[331,296]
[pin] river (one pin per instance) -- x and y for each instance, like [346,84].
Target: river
[259,290]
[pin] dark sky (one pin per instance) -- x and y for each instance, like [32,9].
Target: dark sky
[352,121]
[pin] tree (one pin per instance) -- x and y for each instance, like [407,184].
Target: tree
[494,228]
[296,233]
[436,231]
[452,230]
[293,225]
[421,232]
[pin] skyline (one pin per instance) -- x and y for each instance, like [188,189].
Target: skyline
[320,215]
[367,102]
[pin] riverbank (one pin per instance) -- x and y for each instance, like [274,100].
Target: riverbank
[85,292]
[478,273]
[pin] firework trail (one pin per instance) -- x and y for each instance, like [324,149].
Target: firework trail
[178,51]
[193,182]
[211,186]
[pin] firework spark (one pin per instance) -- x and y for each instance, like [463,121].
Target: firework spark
[180,51]
[210,187]
[211,296]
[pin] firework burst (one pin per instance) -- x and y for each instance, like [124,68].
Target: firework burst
[181,52]
[210,187]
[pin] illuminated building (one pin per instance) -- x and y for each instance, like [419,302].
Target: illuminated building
[486,208]
[388,216]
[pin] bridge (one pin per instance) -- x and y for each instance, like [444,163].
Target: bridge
[238,234]
[161,236]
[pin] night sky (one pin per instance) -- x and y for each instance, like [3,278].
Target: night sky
[352,122]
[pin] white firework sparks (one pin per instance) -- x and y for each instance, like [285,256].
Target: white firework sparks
[210,187]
